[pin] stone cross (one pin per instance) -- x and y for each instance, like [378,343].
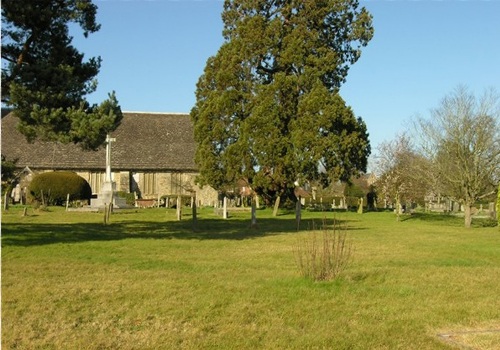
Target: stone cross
[108,157]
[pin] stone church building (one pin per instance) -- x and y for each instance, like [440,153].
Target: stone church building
[153,156]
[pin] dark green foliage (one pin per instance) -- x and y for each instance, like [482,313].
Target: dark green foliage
[353,193]
[8,174]
[268,108]
[371,199]
[52,188]
[45,79]
[129,197]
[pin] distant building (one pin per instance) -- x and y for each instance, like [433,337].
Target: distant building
[153,156]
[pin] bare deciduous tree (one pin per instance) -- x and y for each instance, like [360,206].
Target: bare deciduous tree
[462,139]
[400,171]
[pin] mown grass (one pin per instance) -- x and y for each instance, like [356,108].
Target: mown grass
[147,281]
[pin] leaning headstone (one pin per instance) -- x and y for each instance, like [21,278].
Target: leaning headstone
[276,206]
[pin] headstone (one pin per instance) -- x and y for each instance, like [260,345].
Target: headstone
[276,206]
[16,193]
[492,211]
[179,208]
[224,208]
[360,208]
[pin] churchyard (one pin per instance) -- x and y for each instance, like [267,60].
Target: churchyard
[149,281]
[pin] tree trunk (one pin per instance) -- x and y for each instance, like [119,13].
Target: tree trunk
[468,214]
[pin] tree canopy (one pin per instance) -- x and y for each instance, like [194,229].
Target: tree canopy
[462,140]
[267,105]
[404,175]
[45,79]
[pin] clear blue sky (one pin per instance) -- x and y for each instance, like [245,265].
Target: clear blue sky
[154,51]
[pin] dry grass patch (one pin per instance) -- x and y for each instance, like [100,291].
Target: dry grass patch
[482,337]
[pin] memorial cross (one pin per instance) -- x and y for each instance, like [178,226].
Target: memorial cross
[108,157]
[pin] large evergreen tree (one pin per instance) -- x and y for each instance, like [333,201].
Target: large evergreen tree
[268,108]
[45,79]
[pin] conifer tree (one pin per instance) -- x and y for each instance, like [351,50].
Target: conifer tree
[45,79]
[268,108]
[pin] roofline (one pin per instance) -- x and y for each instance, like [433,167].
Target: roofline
[169,113]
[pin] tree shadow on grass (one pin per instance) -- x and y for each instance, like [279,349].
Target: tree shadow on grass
[32,234]
[445,218]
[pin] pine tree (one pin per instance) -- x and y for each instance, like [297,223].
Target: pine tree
[45,79]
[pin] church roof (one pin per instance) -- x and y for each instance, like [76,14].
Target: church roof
[144,142]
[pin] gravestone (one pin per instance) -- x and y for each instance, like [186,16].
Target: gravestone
[224,208]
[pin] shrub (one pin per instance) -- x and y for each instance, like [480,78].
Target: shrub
[129,197]
[52,188]
[324,254]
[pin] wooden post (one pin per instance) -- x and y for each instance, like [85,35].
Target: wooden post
[224,208]
[6,202]
[276,206]
[254,212]
[193,209]
[67,202]
[105,213]
[179,208]
[298,207]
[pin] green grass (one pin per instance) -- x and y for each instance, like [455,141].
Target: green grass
[147,281]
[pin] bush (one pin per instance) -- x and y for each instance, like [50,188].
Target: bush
[129,197]
[324,254]
[52,188]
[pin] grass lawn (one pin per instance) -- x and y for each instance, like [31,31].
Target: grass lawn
[147,281]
